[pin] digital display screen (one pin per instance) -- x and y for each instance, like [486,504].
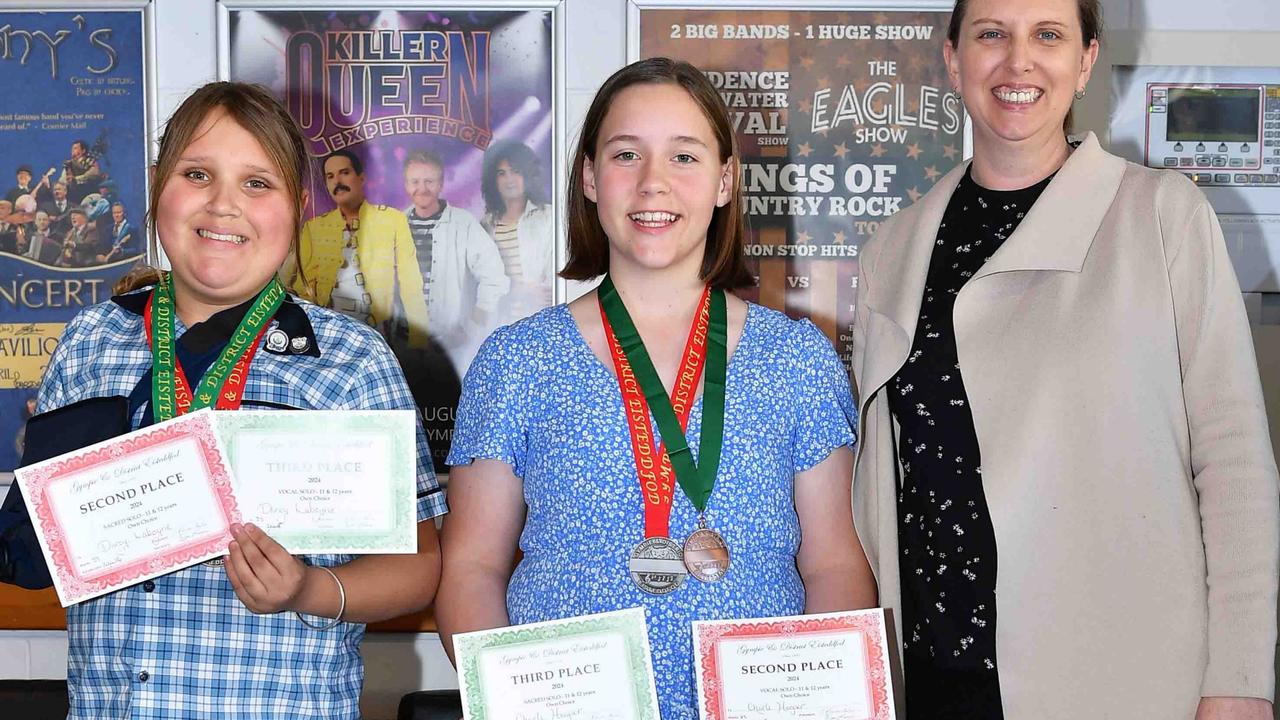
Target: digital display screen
[1213,114]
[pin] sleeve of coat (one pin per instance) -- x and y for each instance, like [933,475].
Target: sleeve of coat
[1231,456]
[410,283]
[485,263]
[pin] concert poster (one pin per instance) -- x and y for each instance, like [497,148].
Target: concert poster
[433,215]
[844,117]
[73,160]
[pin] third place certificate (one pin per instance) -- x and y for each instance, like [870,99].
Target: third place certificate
[331,481]
[594,666]
[833,667]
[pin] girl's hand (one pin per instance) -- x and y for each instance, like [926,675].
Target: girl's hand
[266,578]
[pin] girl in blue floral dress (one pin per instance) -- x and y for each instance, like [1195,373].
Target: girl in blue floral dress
[545,451]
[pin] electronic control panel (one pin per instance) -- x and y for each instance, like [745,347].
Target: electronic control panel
[1219,126]
[1218,134]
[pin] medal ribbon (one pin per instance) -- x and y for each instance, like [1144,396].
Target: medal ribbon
[223,383]
[642,390]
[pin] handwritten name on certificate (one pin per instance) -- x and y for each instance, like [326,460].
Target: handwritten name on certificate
[594,667]
[132,508]
[333,481]
[833,666]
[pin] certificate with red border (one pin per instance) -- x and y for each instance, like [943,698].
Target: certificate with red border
[833,666]
[132,508]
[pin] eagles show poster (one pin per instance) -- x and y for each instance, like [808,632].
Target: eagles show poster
[73,161]
[432,215]
[844,118]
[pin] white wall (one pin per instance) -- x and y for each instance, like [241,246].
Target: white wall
[595,37]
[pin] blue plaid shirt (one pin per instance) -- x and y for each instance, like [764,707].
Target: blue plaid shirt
[182,645]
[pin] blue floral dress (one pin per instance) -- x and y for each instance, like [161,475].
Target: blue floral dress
[537,398]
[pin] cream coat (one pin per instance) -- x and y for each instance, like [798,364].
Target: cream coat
[1125,455]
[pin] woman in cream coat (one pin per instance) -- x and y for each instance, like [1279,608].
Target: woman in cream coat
[1108,367]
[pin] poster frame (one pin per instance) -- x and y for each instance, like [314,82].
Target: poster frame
[558,86]
[635,9]
[150,82]
[150,91]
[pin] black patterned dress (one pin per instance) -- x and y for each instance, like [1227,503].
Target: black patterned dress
[947,548]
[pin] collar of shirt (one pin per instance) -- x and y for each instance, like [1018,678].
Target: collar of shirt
[217,330]
[436,216]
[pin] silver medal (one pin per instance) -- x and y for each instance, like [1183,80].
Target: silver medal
[657,566]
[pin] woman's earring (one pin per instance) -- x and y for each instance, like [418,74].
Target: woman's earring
[1079,94]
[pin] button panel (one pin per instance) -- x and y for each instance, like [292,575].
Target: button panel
[1216,133]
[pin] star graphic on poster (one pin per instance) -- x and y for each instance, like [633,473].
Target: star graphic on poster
[841,150]
[839,237]
[803,237]
[843,61]
[805,150]
[806,106]
[913,151]
[914,194]
[949,151]
[878,150]
[880,18]
[931,173]
[824,81]
[806,62]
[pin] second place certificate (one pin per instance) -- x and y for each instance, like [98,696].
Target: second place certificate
[132,508]
[819,667]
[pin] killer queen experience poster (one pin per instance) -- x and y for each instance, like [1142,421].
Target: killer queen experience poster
[73,160]
[844,117]
[440,127]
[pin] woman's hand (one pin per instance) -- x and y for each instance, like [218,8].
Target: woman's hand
[1233,708]
[266,578]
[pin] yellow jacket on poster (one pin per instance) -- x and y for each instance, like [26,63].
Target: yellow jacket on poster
[387,260]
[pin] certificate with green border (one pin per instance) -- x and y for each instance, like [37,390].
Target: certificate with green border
[326,481]
[594,666]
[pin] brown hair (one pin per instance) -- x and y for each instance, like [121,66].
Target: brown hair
[723,261]
[253,108]
[1090,12]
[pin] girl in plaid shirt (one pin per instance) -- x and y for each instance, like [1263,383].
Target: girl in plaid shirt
[222,640]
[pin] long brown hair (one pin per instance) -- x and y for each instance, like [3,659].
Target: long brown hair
[1090,12]
[253,108]
[723,261]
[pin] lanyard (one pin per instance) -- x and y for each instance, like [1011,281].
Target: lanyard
[223,383]
[642,390]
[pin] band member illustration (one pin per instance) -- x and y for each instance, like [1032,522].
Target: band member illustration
[519,218]
[80,172]
[463,274]
[354,257]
